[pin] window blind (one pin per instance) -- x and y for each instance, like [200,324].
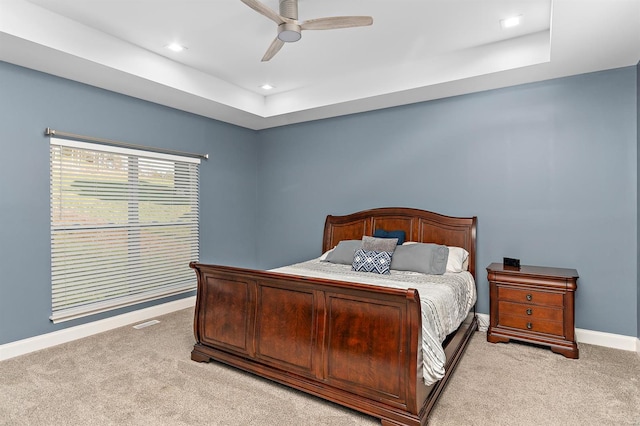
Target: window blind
[124,227]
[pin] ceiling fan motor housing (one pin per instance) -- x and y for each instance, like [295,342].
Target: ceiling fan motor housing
[289,9]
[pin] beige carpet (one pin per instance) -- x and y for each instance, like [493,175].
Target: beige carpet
[146,377]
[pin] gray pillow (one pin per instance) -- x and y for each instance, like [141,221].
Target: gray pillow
[379,244]
[421,257]
[343,252]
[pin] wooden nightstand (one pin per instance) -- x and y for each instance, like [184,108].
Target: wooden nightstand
[533,304]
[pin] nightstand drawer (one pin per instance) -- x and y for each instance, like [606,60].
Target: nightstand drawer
[531,297]
[531,311]
[531,324]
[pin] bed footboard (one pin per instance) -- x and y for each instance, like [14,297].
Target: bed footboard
[353,344]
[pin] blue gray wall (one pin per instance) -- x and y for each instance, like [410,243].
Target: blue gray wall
[31,101]
[550,169]
[638,200]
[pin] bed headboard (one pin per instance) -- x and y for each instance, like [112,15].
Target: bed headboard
[419,225]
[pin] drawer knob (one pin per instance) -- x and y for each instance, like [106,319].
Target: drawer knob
[529,311]
[529,297]
[529,325]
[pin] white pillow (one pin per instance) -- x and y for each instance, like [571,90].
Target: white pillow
[458,259]
[325,254]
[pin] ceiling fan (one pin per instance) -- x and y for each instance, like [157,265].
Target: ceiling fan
[289,28]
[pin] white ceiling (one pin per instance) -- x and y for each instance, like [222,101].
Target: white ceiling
[416,50]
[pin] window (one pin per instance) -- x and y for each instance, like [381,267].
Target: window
[124,227]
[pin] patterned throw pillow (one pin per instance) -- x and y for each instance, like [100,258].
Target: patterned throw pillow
[371,261]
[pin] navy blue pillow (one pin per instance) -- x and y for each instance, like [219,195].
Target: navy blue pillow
[381,233]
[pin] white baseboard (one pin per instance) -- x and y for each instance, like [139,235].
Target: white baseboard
[483,322]
[591,337]
[48,340]
[610,340]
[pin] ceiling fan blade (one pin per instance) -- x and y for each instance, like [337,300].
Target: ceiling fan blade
[266,11]
[336,22]
[274,48]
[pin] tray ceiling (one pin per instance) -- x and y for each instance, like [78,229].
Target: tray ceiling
[416,50]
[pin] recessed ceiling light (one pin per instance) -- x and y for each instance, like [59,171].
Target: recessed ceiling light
[511,22]
[175,47]
[267,87]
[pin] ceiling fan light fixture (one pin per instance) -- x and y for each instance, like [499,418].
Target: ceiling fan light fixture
[289,32]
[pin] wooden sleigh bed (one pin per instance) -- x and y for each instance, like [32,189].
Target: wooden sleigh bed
[353,344]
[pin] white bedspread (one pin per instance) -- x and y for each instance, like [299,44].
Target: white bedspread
[445,301]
